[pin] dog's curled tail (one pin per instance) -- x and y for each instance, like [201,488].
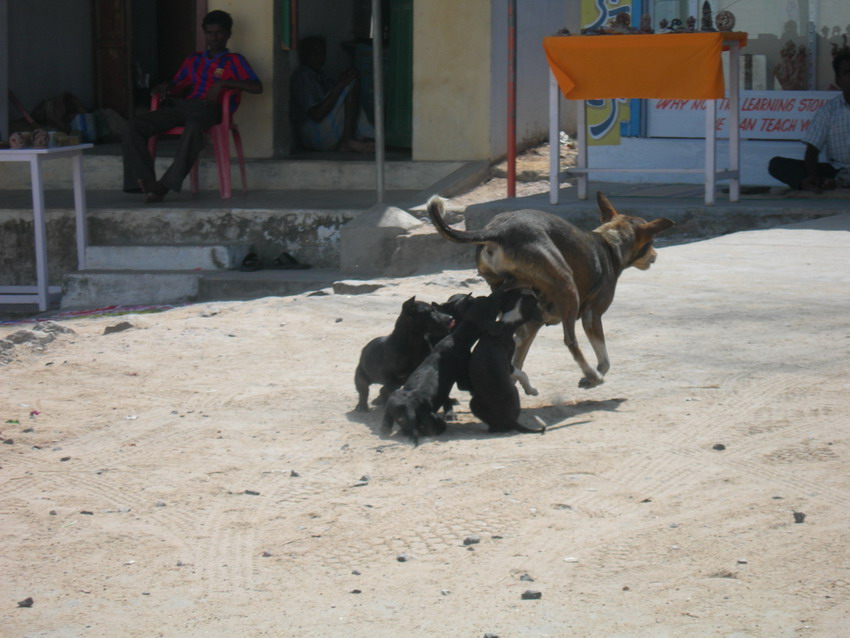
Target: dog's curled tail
[437,211]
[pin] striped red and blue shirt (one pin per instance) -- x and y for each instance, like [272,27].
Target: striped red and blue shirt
[199,71]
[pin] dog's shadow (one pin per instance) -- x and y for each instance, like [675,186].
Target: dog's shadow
[554,417]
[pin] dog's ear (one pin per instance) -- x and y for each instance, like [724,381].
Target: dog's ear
[606,211]
[656,226]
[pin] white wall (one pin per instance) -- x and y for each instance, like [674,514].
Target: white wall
[535,20]
[666,153]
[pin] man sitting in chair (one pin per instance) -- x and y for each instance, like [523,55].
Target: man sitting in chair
[200,81]
[826,164]
[325,113]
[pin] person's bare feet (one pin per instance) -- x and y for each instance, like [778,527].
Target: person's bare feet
[154,191]
[357,146]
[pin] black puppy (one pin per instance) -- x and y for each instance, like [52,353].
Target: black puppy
[389,360]
[414,407]
[456,306]
[495,399]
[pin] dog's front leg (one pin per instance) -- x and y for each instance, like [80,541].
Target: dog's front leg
[592,323]
[387,423]
[591,377]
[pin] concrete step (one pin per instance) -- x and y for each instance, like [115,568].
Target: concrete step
[166,257]
[106,172]
[94,289]
[241,286]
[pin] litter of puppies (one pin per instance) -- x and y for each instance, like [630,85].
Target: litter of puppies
[541,270]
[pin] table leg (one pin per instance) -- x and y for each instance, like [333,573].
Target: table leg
[710,150]
[80,211]
[40,232]
[581,155]
[734,122]
[554,141]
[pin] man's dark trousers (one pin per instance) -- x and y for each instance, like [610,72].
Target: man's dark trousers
[196,116]
[792,172]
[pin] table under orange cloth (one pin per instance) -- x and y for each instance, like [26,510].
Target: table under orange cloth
[667,65]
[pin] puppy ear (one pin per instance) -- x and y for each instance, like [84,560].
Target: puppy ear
[657,225]
[606,211]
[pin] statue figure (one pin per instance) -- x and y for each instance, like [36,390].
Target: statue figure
[790,72]
[705,25]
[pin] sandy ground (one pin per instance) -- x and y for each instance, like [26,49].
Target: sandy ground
[201,472]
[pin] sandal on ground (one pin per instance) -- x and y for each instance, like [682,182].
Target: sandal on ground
[288,262]
[251,263]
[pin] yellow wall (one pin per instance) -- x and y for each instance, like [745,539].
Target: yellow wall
[253,37]
[451,80]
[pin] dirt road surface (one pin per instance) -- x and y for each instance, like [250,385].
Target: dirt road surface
[201,471]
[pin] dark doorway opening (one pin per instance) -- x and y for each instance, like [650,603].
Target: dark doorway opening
[138,44]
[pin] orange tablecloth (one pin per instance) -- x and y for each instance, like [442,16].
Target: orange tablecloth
[667,65]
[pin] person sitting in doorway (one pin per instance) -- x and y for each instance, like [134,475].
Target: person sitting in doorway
[324,112]
[200,80]
[826,164]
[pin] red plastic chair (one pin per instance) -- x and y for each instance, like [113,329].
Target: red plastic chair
[221,145]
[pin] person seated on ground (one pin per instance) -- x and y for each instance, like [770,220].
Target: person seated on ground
[324,112]
[827,138]
[200,80]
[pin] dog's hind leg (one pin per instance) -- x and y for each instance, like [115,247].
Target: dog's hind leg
[592,323]
[524,337]
[385,393]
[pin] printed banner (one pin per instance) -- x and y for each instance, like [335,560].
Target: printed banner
[764,115]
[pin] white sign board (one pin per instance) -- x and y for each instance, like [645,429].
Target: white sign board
[765,115]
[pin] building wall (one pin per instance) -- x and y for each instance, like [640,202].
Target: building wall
[451,79]
[460,75]
[254,37]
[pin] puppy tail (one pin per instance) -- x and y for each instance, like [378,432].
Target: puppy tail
[437,211]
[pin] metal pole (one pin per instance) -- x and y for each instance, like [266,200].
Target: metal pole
[377,63]
[512,98]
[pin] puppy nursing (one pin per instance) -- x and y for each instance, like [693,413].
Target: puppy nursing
[541,270]
[414,407]
[495,399]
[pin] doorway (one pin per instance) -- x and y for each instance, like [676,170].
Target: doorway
[138,44]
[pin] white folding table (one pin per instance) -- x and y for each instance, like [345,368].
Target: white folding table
[36,157]
[661,72]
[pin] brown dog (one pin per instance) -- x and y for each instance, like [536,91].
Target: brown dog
[574,271]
